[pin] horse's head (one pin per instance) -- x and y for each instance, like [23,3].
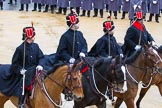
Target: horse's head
[74,81]
[114,72]
[118,75]
[153,59]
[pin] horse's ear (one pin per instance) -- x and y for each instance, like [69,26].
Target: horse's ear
[80,64]
[75,65]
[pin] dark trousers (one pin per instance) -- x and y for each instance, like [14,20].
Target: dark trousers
[123,15]
[115,13]
[60,10]
[156,17]
[107,7]
[22,7]
[84,12]
[96,12]
[10,2]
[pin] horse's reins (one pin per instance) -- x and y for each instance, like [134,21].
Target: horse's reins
[43,87]
[92,67]
[97,91]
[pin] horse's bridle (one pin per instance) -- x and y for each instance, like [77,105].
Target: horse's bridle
[97,91]
[155,68]
[158,60]
[69,78]
[40,79]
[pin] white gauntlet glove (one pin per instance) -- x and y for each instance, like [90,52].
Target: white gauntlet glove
[39,68]
[72,60]
[137,47]
[82,54]
[22,71]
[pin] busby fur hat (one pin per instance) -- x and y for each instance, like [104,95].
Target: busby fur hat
[108,25]
[72,18]
[28,32]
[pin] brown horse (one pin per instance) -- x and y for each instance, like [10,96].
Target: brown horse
[48,90]
[156,80]
[136,71]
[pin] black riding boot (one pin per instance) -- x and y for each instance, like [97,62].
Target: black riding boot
[88,13]
[107,7]
[123,15]
[110,13]
[39,7]
[95,12]
[101,13]
[52,9]
[157,18]
[59,11]
[150,18]
[27,6]
[21,7]
[115,14]
[83,13]
[21,101]
[35,7]
[46,8]
[144,17]
[64,10]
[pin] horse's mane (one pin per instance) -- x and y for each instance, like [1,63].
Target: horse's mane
[53,69]
[89,60]
[133,57]
[102,60]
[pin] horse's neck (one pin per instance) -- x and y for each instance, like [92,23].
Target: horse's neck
[137,68]
[56,86]
[100,78]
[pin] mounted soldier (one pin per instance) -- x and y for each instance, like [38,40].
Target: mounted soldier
[137,35]
[72,43]
[26,60]
[106,46]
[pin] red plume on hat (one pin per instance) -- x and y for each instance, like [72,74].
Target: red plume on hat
[72,18]
[138,14]
[28,32]
[108,25]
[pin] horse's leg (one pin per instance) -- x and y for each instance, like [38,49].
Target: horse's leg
[142,94]
[160,88]
[103,105]
[118,102]
[130,103]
